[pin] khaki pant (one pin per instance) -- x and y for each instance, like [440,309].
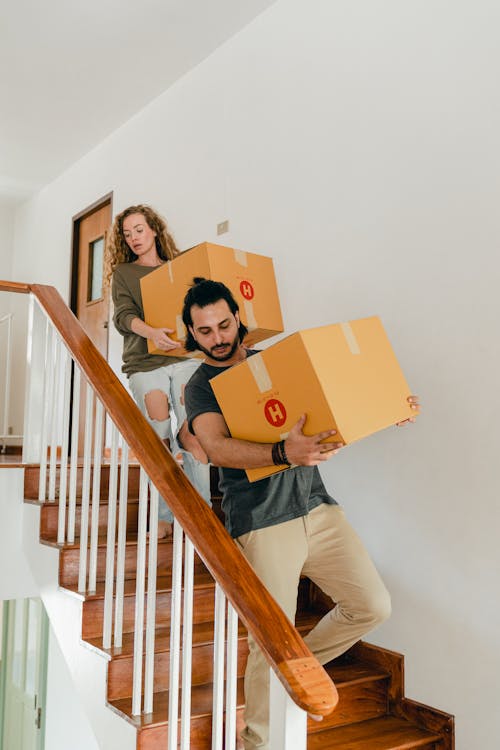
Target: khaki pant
[324,547]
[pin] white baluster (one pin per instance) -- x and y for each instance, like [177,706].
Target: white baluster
[187,643]
[54,414]
[218,696]
[110,540]
[34,403]
[96,494]
[84,522]
[175,635]
[73,472]
[47,401]
[288,722]
[151,601]
[231,677]
[139,594]
[63,471]
[120,554]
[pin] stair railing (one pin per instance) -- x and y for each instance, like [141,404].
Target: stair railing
[65,369]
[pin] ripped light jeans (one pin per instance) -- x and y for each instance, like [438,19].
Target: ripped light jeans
[171,379]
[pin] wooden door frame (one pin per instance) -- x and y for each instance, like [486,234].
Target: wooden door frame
[44,666]
[75,244]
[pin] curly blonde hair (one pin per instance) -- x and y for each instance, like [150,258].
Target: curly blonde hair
[117,250]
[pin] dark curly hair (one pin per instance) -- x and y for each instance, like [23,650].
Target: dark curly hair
[205,292]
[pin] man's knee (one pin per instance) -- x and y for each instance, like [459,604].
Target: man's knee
[157,407]
[377,605]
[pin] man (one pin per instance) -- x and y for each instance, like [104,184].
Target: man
[286,525]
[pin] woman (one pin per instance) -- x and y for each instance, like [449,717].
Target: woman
[138,243]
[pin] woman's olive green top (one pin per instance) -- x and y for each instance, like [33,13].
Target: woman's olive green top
[127,301]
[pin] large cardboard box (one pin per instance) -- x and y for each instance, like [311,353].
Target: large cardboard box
[249,276]
[344,377]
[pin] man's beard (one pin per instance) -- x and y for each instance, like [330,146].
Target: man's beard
[221,353]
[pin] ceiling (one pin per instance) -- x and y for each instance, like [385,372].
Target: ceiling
[72,71]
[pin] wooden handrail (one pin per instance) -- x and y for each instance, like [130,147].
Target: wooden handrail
[303,677]
[14,286]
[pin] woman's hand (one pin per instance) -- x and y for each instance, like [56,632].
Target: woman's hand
[159,336]
[161,339]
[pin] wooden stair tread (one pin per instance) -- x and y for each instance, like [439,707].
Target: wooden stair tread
[203,579]
[32,479]
[9,461]
[133,464]
[383,733]
[203,634]
[353,673]
[201,705]
[102,541]
[55,503]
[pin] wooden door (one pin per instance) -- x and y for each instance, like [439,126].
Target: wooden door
[24,674]
[90,296]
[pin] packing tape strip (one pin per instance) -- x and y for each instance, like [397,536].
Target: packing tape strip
[250,315]
[260,372]
[240,257]
[170,272]
[350,338]
[181,329]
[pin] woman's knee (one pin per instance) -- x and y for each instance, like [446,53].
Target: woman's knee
[157,406]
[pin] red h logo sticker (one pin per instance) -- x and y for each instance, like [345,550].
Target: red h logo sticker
[275,412]
[247,290]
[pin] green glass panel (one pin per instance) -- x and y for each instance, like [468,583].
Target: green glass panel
[18,643]
[96,268]
[34,614]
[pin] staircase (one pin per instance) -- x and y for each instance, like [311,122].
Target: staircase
[372,713]
[141,660]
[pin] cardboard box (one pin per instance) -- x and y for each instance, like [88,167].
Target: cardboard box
[249,276]
[344,377]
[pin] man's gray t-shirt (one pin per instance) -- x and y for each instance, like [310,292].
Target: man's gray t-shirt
[269,501]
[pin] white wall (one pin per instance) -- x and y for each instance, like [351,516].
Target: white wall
[16,580]
[64,709]
[7,217]
[65,716]
[80,669]
[15,304]
[357,143]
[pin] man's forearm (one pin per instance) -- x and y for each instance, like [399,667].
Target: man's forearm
[237,454]
[223,450]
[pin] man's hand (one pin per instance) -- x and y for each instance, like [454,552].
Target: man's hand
[232,453]
[309,451]
[414,403]
[161,339]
